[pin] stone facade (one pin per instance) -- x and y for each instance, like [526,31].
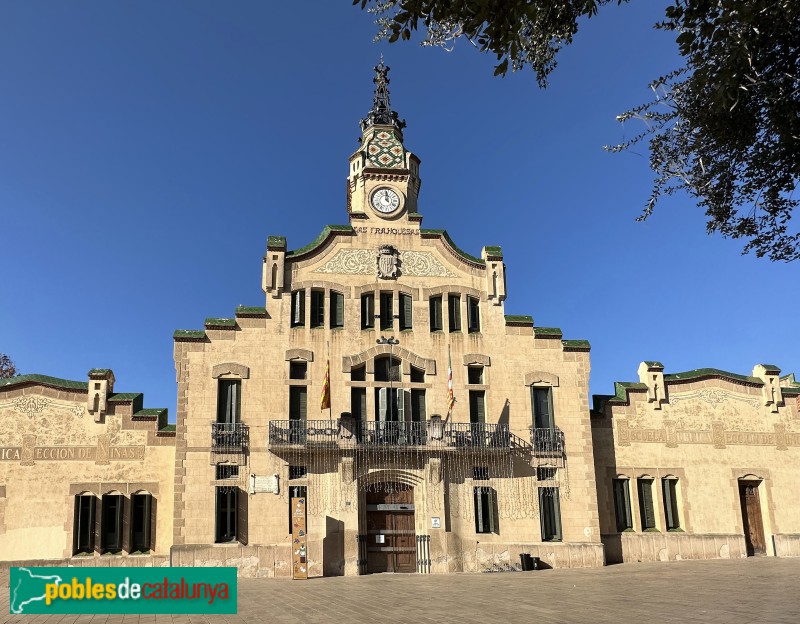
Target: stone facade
[383,258]
[708,435]
[63,439]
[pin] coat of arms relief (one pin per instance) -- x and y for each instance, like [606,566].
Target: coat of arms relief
[388,262]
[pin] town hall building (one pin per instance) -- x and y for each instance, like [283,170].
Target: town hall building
[381,413]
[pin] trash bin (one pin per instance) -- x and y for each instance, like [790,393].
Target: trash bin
[527,562]
[534,563]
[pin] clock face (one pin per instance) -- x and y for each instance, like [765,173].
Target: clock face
[385,200]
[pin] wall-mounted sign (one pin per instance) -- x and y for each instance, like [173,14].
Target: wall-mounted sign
[380,539]
[436,522]
[264,485]
[299,537]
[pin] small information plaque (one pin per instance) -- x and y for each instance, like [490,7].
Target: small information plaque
[436,522]
[264,485]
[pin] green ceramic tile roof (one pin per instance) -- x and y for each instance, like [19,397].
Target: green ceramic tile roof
[189,334]
[45,380]
[228,323]
[100,371]
[149,412]
[136,399]
[654,364]
[711,372]
[771,368]
[276,242]
[327,231]
[519,319]
[582,345]
[167,429]
[549,332]
[793,391]
[251,311]
[459,252]
[494,250]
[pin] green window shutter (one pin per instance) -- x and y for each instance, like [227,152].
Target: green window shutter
[436,313]
[556,513]
[358,403]
[303,402]
[298,308]
[477,408]
[454,312]
[418,405]
[478,509]
[646,504]
[542,410]
[337,309]
[473,315]
[405,311]
[622,504]
[400,397]
[670,503]
[491,503]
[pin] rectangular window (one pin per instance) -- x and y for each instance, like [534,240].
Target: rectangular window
[541,398]
[387,311]
[226,514]
[485,510]
[454,312]
[297,472]
[84,523]
[358,373]
[297,414]
[298,308]
[670,487]
[317,308]
[622,504]
[473,315]
[229,401]
[646,510]
[480,473]
[227,471]
[358,403]
[111,523]
[418,405]
[477,408]
[298,370]
[436,313]
[337,310]
[546,473]
[405,311]
[367,310]
[475,375]
[550,514]
[141,507]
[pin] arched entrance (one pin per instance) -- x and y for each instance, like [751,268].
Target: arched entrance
[391,536]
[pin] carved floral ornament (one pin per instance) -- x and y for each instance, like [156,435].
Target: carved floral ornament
[712,396]
[34,405]
[362,262]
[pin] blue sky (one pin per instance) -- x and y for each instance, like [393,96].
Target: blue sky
[148,148]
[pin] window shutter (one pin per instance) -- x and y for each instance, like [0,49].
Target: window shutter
[382,404]
[491,500]
[303,403]
[646,503]
[241,516]
[76,525]
[126,523]
[367,310]
[401,405]
[150,519]
[478,510]
[556,513]
[95,522]
[454,312]
[339,322]
[418,405]
[542,413]
[405,311]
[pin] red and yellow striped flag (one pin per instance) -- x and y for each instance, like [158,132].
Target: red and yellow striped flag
[451,399]
[325,399]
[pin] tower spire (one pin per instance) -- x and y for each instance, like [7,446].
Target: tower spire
[382,113]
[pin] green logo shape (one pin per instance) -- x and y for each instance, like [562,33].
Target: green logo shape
[122,590]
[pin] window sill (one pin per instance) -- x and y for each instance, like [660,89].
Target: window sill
[549,541]
[651,530]
[676,530]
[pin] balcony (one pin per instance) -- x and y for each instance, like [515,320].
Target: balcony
[230,437]
[547,442]
[480,435]
[373,433]
[303,432]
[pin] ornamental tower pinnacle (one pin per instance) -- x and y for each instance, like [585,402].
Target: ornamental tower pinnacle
[383,182]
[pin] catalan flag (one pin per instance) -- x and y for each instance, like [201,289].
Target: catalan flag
[451,399]
[325,399]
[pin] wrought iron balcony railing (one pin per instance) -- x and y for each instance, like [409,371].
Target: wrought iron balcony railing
[373,433]
[482,435]
[547,441]
[302,432]
[230,437]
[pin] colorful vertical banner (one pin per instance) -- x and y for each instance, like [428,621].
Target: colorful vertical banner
[325,398]
[299,538]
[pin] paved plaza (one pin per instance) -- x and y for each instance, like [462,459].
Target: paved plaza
[723,592]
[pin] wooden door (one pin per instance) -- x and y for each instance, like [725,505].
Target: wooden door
[751,518]
[391,538]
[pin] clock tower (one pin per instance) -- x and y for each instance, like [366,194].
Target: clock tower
[383,182]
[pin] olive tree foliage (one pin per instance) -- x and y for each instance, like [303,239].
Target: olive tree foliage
[724,127]
[7,368]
